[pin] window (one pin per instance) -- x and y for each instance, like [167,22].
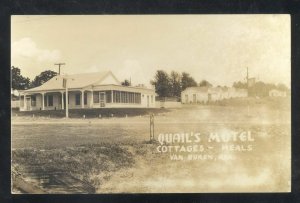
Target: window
[46,100]
[77,99]
[33,100]
[108,96]
[194,98]
[114,97]
[22,101]
[50,100]
[96,97]
[85,98]
[117,96]
[123,97]
[131,97]
[151,98]
[137,98]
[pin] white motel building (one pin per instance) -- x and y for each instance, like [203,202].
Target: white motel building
[88,90]
[193,95]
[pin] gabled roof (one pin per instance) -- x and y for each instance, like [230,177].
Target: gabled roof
[74,81]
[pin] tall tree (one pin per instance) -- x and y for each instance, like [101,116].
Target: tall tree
[259,89]
[205,83]
[175,84]
[187,81]
[282,87]
[43,77]
[162,83]
[18,82]
[240,85]
[262,89]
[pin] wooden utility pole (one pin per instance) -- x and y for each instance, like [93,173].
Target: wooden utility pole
[152,127]
[65,85]
[59,64]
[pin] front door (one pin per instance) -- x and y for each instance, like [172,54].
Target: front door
[209,97]
[28,104]
[102,99]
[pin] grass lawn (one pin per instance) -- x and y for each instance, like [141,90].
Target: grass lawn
[90,113]
[116,156]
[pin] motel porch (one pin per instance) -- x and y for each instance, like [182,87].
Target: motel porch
[111,96]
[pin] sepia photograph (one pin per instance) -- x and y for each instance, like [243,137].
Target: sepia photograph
[150,103]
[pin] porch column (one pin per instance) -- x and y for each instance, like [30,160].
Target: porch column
[92,99]
[43,101]
[112,96]
[82,99]
[62,100]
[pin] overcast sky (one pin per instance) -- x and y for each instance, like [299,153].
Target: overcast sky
[217,48]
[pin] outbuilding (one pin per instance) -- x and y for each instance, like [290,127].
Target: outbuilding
[193,95]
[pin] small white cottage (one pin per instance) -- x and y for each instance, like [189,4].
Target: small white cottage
[193,95]
[277,93]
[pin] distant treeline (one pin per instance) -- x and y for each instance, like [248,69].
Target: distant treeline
[171,85]
[260,89]
[166,85]
[19,82]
